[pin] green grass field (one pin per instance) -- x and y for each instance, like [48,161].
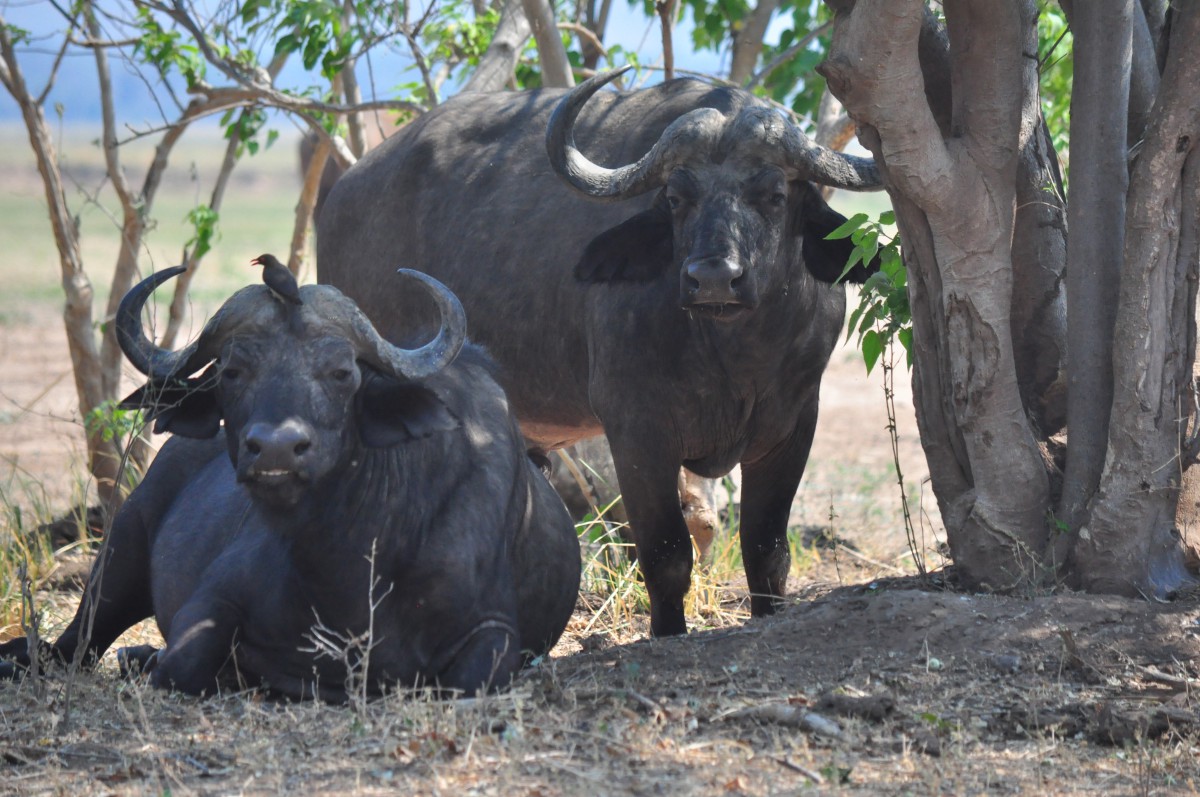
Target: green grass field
[256,214]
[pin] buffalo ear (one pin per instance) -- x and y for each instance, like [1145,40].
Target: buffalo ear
[391,412]
[638,249]
[826,260]
[187,409]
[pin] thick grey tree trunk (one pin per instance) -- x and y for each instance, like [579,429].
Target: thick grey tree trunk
[1129,544]
[956,205]
[1096,216]
[977,195]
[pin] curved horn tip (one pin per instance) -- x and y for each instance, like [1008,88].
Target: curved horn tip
[427,279]
[166,274]
[602,78]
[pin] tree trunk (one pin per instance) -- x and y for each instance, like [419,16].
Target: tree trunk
[748,41]
[103,456]
[1129,544]
[1096,215]
[556,69]
[596,22]
[955,200]
[500,59]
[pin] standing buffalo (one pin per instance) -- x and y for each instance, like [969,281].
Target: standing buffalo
[372,514]
[689,316]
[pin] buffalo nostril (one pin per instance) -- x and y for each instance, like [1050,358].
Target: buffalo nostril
[253,447]
[301,447]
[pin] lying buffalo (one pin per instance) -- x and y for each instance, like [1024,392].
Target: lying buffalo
[367,498]
[682,304]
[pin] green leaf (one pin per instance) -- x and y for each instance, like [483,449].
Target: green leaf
[849,226]
[872,347]
[887,217]
[854,259]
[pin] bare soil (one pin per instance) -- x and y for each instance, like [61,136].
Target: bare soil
[871,681]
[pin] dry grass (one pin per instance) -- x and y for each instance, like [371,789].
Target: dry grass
[853,689]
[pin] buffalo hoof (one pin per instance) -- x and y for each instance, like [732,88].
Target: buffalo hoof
[136,660]
[14,659]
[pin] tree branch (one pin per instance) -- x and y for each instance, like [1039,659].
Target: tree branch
[782,58]
[748,41]
[666,18]
[500,59]
[556,69]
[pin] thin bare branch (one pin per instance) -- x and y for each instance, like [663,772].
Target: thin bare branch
[666,16]
[53,76]
[782,58]
[585,35]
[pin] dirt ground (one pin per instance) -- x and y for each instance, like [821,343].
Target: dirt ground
[869,682]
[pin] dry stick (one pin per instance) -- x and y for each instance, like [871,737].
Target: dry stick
[785,714]
[866,559]
[31,625]
[811,774]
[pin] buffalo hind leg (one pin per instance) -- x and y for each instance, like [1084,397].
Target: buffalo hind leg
[768,489]
[650,491]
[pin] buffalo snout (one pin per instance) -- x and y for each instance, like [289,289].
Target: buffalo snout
[715,286]
[275,451]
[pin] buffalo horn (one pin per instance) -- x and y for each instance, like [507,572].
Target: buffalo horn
[823,165]
[422,362]
[754,129]
[154,361]
[696,130]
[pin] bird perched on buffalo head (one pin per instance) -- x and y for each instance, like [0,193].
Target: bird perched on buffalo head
[278,278]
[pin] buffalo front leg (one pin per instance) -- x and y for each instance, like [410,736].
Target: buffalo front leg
[200,642]
[768,489]
[664,547]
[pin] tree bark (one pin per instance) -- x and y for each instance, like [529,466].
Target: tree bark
[1129,545]
[596,22]
[306,204]
[556,69]
[1096,215]
[500,59]
[748,41]
[964,189]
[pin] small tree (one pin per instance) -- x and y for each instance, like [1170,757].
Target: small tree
[247,44]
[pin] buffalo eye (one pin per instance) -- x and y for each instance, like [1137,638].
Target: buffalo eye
[341,374]
[231,374]
[673,202]
[777,199]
